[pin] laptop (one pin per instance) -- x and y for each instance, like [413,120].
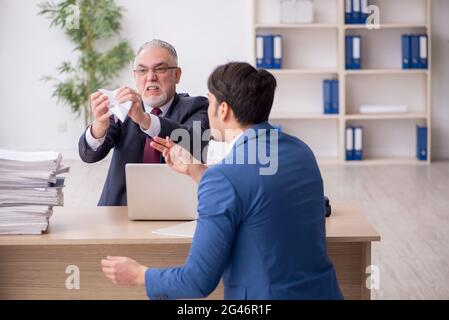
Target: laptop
[156,192]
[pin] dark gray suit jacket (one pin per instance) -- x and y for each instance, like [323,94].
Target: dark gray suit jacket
[128,142]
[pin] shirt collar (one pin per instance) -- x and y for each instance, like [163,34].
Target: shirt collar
[163,108]
[235,139]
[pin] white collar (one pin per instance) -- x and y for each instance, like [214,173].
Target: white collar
[235,139]
[163,108]
[218,150]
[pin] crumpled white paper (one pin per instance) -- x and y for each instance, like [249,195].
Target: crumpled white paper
[119,110]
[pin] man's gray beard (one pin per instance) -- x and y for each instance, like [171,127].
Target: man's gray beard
[155,101]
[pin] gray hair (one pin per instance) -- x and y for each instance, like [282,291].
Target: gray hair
[156,43]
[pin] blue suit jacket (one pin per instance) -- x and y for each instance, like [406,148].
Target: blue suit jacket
[128,142]
[264,234]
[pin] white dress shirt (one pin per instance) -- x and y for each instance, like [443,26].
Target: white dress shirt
[153,130]
[218,150]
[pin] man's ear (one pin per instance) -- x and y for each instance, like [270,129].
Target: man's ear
[178,74]
[225,111]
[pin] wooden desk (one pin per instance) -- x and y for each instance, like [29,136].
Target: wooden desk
[34,267]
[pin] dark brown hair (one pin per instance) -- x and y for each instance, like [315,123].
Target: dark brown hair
[247,90]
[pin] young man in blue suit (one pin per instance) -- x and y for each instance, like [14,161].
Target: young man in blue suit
[261,224]
[156,110]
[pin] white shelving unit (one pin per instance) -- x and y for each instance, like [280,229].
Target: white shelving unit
[314,52]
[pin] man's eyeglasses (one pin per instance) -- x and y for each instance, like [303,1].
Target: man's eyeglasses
[159,70]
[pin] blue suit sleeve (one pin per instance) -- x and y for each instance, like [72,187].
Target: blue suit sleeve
[211,245]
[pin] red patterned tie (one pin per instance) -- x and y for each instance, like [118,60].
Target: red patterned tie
[151,155]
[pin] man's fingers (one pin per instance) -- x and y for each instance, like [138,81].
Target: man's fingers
[166,143]
[111,261]
[102,97]
[104,117]
[161,141]
[116,258]
[108,263]
[120,90]
[102,107]
[127,97]
[109,274]
[158,146]
[95,95]
[169,142]
[99,98]
[108,271]
[124,91]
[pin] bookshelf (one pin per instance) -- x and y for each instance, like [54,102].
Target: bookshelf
[314,52]
[297,26]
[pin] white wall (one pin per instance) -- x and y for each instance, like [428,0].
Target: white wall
[205,33]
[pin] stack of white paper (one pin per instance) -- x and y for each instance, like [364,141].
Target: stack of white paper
[383,109]
[184,230]
[29,188]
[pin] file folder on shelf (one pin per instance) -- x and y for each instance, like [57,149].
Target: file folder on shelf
[348,11]
[358,143]
[277,51]
[364,10]
[327,96]
[414,45]
[348,52]
[259,51]
[406,50]
[353,52]
[356,12]
[267,51]
[356,52]
[349,143]
[415,51]
[421,145]
[334,97]
[423,51]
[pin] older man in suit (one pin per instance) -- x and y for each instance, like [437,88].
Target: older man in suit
[157,110]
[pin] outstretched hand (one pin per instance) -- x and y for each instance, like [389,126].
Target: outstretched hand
[178,158]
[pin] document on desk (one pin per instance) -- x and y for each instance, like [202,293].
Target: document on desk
[30,186]
[184,230]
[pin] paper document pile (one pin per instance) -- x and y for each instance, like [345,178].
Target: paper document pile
[383,109]
[29,188]
[184,230]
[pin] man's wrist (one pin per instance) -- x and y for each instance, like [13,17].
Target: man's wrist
[196,171]
[97,130]
[141,278]
[145,122]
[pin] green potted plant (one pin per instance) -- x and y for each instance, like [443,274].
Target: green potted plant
[86,22]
